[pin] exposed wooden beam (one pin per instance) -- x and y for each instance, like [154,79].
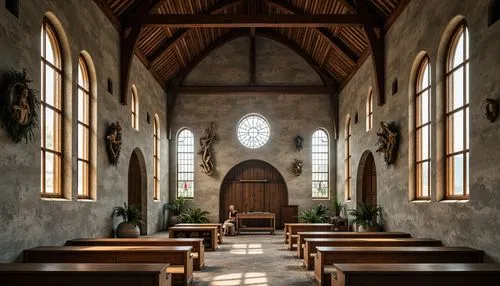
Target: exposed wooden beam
[179,34]
[128,48]
[247,21]
[334,104]
[332,39]
[109,14]
[255,89]
[252,10]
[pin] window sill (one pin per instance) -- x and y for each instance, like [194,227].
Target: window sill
[454,201]
[83,200]
[48,199]
[417,201]
[156,201]
[320,199]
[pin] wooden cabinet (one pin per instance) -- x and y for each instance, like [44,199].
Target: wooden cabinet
[288,214]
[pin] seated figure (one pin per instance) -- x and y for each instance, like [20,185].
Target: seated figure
[229,224]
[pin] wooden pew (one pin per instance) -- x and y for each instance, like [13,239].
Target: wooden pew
[327,256]
[208,233]
[84,274]
[311,244]
[179,257]
[347,234]
[198,250]
[294,228]
[220,232]
[456,274]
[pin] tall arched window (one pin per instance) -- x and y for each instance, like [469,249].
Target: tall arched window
[51,115]
[185,164]
[84,127]
[457,115]
[320,165]
[347,160]
[134,108]
[156,158]
[369,111]
[423,131]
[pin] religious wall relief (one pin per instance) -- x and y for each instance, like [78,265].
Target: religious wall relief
[206,141]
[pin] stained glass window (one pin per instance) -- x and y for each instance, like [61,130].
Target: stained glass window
[185,164]
[320,164]
[253,131]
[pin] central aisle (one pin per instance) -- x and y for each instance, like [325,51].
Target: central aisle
[254,260]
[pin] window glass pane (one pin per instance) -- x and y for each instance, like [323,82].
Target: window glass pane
[425,76]
[82,178]
[467,128]
[425,179]
[83,147]
[458,174]
[467,83]
[52,127]
[425,142]
[424,99]
[467,174]
[49,173]
[458,131]
[458,55]
[51,86]
[50,55]
[458,88]
[466,34]
[81,81]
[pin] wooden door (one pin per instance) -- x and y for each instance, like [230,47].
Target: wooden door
[369,181]
[137,186]
[253,186]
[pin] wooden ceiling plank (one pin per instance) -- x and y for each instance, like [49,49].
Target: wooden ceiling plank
[247,21]
[334,40]
[179,34]
[128,48]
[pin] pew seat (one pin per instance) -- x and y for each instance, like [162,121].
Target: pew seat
[327,255]
[198,251]
[412,274]
[84,274]
[218,225]
[311,244]
[344,234]
[293,228]
[174,255]
[208,233]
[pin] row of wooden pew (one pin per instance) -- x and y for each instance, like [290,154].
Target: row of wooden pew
[385,258]
[152,260]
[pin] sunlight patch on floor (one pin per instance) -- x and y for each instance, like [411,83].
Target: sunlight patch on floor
[254,248]
[241,279]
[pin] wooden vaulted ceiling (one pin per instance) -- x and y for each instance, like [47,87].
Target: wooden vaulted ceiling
[170,46]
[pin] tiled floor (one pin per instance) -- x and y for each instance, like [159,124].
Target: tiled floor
[254,260]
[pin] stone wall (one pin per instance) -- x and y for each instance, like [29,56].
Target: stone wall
[420,27]
[288,114]
[28,220]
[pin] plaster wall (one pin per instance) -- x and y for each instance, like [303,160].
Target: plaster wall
[288,114]
[474,223]
[28,220]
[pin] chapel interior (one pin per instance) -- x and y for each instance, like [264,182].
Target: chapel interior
[249,142]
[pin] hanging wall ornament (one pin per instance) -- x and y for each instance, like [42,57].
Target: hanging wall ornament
[114,142]
[207,164]
[297,167]
[491,107]
[19,106]
[388,142]
[299,142]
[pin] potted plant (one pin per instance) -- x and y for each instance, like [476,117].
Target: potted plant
[365,217]
[175,208]
[194,215]
[337,209]
[129,227]
[317,214]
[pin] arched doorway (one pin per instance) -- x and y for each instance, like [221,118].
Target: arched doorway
[137,186]
[253,185]
[369,179]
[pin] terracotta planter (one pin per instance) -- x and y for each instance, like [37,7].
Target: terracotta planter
[367,228]
[127,230]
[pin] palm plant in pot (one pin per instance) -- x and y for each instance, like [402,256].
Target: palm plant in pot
[317,214]
[337,209]
[365,216]
[194,215]
[174,208]
[129,227]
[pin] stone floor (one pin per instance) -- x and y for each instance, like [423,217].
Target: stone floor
[254,260]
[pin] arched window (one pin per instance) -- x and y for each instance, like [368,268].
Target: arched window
[320,165]
[185,164]
[134,108]
[369,111]
[156,158]
[457,115]
[423,131]
[347,160]
[84,129]
[51,115]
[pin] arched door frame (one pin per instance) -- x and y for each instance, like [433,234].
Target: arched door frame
[221,197]
[360,174]
[144,187]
